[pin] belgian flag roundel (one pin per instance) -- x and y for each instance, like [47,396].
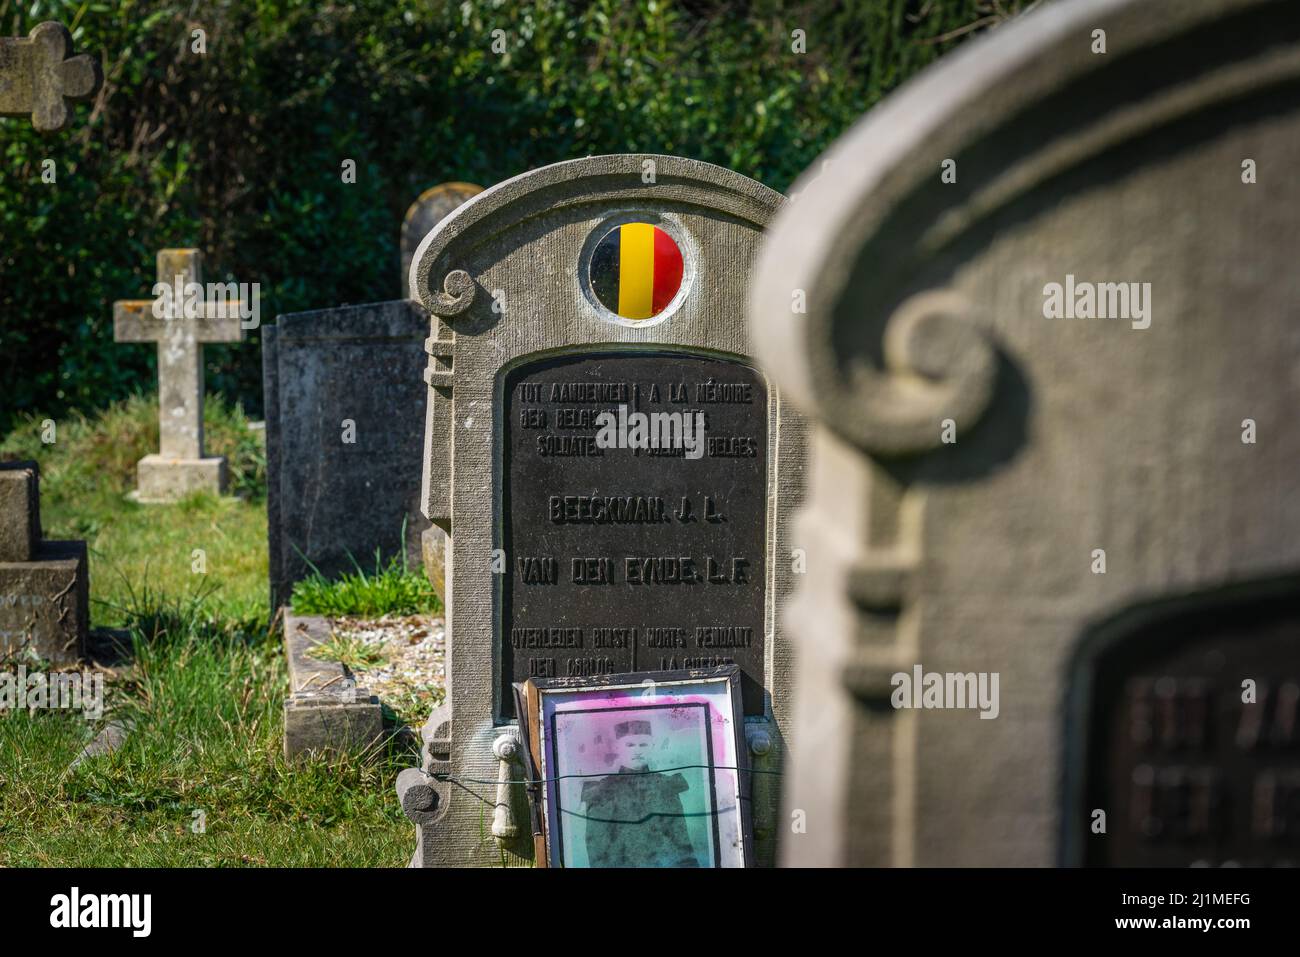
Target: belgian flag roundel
[636,269]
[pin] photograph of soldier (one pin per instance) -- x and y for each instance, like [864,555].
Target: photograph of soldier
[635,816]
[642,770]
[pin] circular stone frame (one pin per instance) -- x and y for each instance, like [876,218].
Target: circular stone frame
[676,231]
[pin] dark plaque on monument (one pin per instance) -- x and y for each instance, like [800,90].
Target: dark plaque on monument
[621,559]
[1196,741]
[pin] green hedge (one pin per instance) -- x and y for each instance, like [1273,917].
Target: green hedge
[239,151]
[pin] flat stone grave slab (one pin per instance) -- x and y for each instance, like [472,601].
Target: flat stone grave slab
[325,711]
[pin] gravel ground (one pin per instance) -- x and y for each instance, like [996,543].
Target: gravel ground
[412,678]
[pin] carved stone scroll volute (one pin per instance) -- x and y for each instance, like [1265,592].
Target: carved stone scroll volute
[457,295]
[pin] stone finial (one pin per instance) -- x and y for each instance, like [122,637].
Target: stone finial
[38,74]
[419,799]
[507,750]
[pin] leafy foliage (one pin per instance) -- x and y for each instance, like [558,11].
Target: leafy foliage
[239,150]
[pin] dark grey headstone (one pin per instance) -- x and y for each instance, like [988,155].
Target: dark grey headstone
[328,498]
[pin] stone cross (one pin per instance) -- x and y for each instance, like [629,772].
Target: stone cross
[38,74]
[181,466]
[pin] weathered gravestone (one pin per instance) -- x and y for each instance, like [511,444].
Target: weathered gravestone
[345,401]
[1100,511]
[189,320]
[433,206]
[38,73]
[572,290]
[344,431]
[44,590]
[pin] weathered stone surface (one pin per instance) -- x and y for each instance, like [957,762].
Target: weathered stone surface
[325,711]
[44,590]
[506,278]
[434,205]
[107,741]
[1166,441]
[180,467]
[45,604]
[38,73]
[344,435]
[317,725]
[433,552]
[163,479]
[20,513]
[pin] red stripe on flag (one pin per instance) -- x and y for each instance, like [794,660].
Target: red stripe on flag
[667,271]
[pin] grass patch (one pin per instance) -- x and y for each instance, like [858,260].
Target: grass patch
[391,589]
[203,694]
[200,779]
[209,543]
[350,651]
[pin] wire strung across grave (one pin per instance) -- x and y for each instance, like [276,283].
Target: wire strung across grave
[462,783]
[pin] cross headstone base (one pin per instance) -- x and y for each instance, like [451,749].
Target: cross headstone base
[161,478]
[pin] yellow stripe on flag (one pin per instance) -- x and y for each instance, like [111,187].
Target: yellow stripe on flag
[636,265]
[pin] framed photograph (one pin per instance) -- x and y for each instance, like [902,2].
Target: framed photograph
[640,770]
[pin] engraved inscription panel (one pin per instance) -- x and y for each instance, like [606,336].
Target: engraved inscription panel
[1188,772]
[633,558]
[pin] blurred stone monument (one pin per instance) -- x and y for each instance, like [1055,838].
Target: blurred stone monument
[1051,350]
[39,74]
[433,206]
[44,586]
